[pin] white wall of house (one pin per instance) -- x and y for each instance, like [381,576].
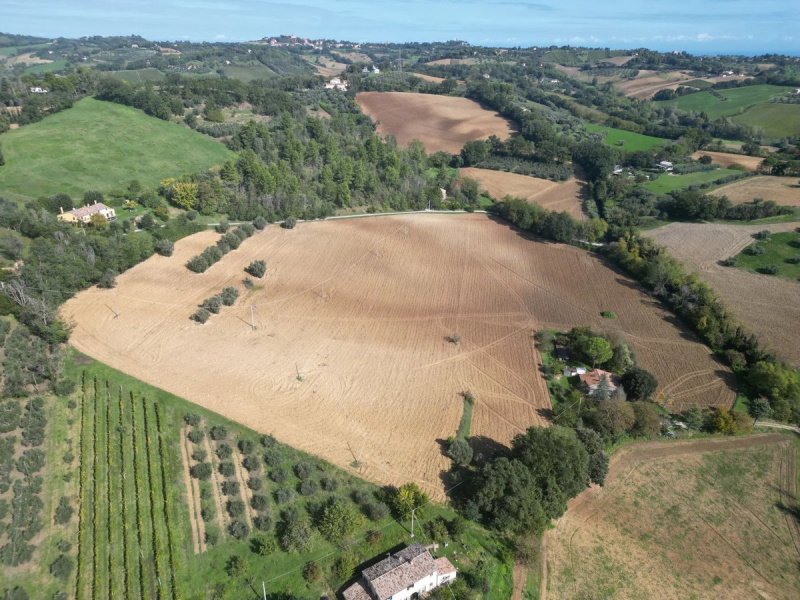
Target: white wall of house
[423,585]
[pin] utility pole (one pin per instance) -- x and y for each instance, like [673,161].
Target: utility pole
[264,589]
[412,521]
[252,318]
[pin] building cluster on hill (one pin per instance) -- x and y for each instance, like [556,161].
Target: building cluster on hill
[83,215]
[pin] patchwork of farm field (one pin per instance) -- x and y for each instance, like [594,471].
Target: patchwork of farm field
[564,196]
[108,146]
[775,120]
[727,159]
[768,306]
[440,122]
[628,140]
[343,351]
[668,182]
[782,190]
[704,519]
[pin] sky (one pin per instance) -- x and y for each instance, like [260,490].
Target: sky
[697,26]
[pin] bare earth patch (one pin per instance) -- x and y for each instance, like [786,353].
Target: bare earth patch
[439,122]
[783,190]
[566,196]
[769,306]
[726,159]
[674,521]
[647,83]
[350,359]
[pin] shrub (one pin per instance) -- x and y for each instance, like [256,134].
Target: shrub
[302,470]
[10,413]
[218,432]
[230,488]
[257,268]
[308,487]
[461,452]
[199,455]
[201,315]
[236,566]
[769,270]
[259,223]
[339,518]
[246,446]
[251,463]
[267,441]
[278,475]
[63,512]
[289,222]
[232,240]
[259,502]
[201,471]
[208,513]
[263,545]
[212,536]
[64,546]
[165,247]
[222,226]
[229,295]
[226,469]
[248,283]
[198,264]
[296,536]
[312,571]
[608,314]
[639,384]
[262,522]
[235,507]
[793,260]
[344,565]
[373,537]
[255,483]
[108,279]
[192,419]
[196,436]
[761,235]
[377,511]
[224,451]
[755,250]
[283,495]
[213,304]
[61,567]
[273,457]
[329,484]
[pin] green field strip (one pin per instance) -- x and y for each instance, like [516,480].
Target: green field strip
[84,572]
[117,564]
[166,486]
[128,504]
[100,514]
[156,502]
[145,511]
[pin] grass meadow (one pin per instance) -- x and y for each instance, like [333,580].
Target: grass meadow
[723,103]
[100,146]
[669,183]
[780,251]
[627,140]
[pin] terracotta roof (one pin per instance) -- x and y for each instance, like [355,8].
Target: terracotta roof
[399,571]
[357,591]
[593,378]
[444,566]
[87,211]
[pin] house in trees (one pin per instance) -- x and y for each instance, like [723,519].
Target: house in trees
[593,378]
[84,214]
[410,573]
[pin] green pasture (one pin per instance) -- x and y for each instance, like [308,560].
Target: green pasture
[780,251]
[627,140]
[100,146]
[669,183]
[724,103]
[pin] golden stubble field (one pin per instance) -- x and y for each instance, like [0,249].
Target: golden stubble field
[703,519]
[565,196]
[350,358]
[768,306]
[440,122]
[782,190]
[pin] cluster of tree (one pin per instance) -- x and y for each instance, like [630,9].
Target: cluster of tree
[212,305]
[230,241]
[698,306]
[692,205]
[516,155]
[558,226]
[521,490]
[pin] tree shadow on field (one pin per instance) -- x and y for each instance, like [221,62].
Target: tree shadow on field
[791,511]
[526,235]
[546,413]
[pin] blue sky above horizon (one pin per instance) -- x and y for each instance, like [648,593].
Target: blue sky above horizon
[697,26]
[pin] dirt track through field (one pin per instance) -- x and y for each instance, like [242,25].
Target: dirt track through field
[362,309]
[439,122]
[609,516]
[193,496]
[769,306]
[566,196]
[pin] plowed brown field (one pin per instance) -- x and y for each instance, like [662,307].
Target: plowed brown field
[349,358]
[439,122]
[700,519]
[768,306]
[783,190]
[565,196]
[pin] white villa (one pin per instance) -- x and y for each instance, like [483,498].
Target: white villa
[336,84]
[84,214]
[410,573]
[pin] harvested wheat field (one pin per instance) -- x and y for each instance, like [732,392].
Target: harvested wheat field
[700,519]
[349,358]
[439,122]
[564,196]
[428,78]
[782,190]
[768,306]
[727,159]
